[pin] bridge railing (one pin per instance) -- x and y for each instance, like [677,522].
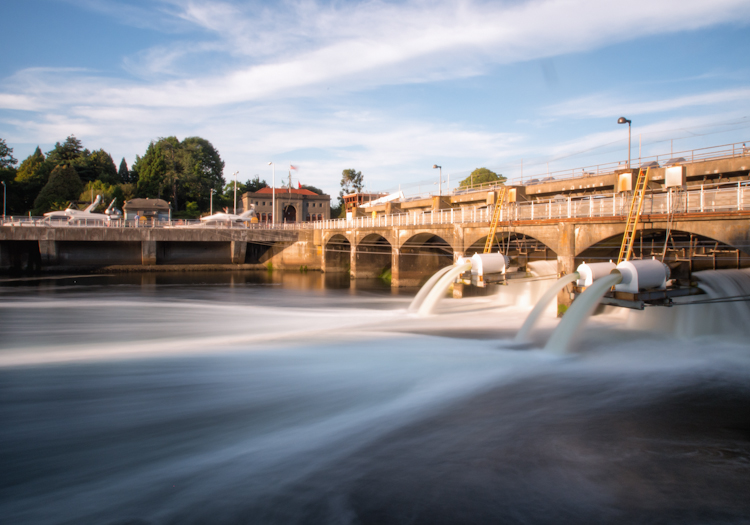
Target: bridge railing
[708,198]
[723,151]
[721,197]
[132,223]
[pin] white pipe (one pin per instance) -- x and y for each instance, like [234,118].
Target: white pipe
[536,312]
[440,288]
[579,312]
[422,294]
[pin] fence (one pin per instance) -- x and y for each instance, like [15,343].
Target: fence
[725,197]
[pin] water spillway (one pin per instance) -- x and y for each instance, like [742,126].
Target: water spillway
[578,313]
[440,287]
[425,290]
[536,312]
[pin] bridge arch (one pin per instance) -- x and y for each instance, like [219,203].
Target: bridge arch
[372,256]
[337,251]
[685,250]
[521,248]
[420,256]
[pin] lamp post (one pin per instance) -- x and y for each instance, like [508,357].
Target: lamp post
[212,201]
[5,190]
[235,192]
[273,194]
[623,120]
[440,179]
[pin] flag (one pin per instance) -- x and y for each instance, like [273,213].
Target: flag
[292,167]
[299,185]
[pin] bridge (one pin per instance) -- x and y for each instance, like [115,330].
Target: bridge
[703,222]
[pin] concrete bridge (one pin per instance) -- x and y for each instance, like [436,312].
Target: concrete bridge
[564,221]
[29,246]
[411,252]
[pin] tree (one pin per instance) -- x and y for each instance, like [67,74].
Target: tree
[69,150]
[123,173]
[351,182]
[180,171]
[6,155]
[32,175]
[255,184]
[98,187]
[312,189]
[64,185]
[96,166]
[481,175]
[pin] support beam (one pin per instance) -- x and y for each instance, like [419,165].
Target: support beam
[148,253]
[395,252]
[48,252]
[353,258]
[238,250]
[566,259]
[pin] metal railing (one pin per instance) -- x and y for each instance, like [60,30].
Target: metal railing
[720,197]
[726,197]
[723,151]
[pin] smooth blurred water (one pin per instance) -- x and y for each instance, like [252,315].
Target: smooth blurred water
[297,398]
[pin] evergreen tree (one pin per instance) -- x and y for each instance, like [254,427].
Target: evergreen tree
[6,155]
[32,175]
[64,185]
[68,151]
[123,173]
[97,165]
[180,172]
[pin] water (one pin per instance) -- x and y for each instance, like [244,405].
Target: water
[239,398]
[437,291]
[525,331]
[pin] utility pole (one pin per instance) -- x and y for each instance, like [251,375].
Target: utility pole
[235,192]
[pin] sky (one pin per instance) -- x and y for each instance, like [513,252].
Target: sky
[389,88]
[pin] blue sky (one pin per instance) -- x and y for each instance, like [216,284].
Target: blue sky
[388,88]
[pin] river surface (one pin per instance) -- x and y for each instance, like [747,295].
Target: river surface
[235,398]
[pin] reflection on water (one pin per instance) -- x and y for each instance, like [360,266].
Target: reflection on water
[295,398]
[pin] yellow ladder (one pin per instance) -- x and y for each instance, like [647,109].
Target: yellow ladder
[495,218]
[636,205]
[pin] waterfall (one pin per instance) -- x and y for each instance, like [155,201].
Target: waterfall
[578,313]
[693,317]
[536,312]
[439,289]
[420,297]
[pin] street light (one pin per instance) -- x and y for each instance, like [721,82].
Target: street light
[212,201]
[5,190]
[623,120]
[273,194]
[235,192]
[440,179]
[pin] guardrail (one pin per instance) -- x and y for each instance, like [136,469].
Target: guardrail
[726,197]
[723,151]
[131,224]
[708,198]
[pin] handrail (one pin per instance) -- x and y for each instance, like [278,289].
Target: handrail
[725,196]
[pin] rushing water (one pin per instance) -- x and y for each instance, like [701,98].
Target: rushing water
[291,398]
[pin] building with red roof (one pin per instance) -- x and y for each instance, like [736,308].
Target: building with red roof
[292,205]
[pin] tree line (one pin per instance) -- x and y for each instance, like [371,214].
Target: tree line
[180,172]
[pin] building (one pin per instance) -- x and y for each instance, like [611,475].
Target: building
[158,209]
[292,205]
[355,200]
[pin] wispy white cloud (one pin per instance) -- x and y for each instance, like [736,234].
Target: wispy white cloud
[364,45]
[242,74]
[603,105]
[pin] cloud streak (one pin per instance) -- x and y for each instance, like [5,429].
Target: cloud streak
[363,46]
